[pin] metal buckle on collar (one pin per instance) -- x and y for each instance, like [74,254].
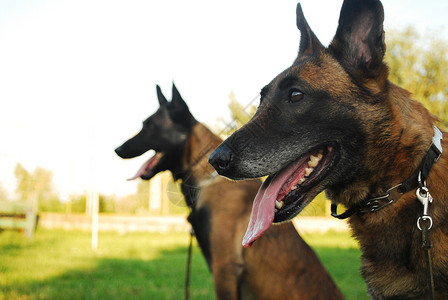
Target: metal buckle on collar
[374,204]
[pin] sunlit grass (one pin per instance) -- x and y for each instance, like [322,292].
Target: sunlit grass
[61,265]
[332,239]
[340,254]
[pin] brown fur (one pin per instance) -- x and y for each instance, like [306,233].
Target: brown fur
[382,136]
[389,238]
[279,266]
[393,261]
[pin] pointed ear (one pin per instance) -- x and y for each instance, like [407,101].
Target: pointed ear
[309,43]
[359,42]
[177,99]
[162,100]
[179,111]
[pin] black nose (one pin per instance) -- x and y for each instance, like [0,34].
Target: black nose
[124,152]
[220,159]
[120,151]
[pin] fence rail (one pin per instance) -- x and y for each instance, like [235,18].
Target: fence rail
[18,216]
[130,223]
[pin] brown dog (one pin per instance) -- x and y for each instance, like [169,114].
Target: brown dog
[333,121]
[280,266]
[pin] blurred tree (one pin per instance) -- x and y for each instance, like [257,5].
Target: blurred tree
[51,204]
[135,203]
[25,183]
[3,194]
[172,199]
[420,65]
[106,204]
[240,115]
[43,184]
[37,185]
[143,189]
[78,203]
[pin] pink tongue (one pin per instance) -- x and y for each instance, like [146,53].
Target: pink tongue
[147,166]
[263,209]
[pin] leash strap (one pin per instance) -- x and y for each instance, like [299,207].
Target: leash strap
[424,224]
[426,245]
[346,214]
[187,276]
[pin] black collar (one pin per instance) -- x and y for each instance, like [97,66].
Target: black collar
[393,194]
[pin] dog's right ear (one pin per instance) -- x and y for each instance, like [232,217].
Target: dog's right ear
[179,111]
[309,43]
[177,100]
[359,41]
[162,100]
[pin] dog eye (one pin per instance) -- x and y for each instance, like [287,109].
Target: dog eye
[148,126]
[295,96]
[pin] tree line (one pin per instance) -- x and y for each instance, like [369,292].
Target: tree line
[37,187]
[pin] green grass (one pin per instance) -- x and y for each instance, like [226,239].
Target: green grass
[340,254]
[61,265]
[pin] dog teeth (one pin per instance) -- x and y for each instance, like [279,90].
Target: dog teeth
[314,159]
[312,163]
[278,204]
[308,171]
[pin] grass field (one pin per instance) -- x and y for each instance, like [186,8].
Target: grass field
[61,265]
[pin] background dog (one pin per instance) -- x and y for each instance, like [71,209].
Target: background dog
[333,121]
[280,266]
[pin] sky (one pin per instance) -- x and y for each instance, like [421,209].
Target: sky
[77,78]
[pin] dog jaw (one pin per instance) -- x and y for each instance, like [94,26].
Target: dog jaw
[284,194]
[146,170]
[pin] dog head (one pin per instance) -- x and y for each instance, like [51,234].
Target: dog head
[309,131]
[165,132]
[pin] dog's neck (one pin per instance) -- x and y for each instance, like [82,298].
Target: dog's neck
[390,236]
[200,144]
[413,134]
[405,139]
[195,167]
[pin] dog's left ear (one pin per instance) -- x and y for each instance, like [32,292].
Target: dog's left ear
[161,97]
[309,43]
[359,41]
